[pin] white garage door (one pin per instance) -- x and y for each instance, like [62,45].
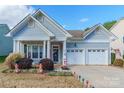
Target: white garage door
[98,56]
[76,56]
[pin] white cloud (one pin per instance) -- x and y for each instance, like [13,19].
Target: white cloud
[65,26]
[84,20]
[11,15]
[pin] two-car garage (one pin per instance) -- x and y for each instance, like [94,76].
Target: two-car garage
[87,56]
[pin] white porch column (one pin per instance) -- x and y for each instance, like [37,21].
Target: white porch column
[14,45]
[21,48]
[48,49]
[44,49]
[17,46]
[64,54]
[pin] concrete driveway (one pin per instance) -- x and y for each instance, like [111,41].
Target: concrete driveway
[101,76]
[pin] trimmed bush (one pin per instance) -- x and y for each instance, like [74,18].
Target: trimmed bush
[47,64]
[24,63]
[12,58]
[65,68]
[112,58]
[118,62]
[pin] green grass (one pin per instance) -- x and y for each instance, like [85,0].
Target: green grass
[55,73]
[2,58]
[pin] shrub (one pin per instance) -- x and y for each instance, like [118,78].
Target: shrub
[118,62]
[12,58]
[47,64]
[65,68]
[24,63]
[112,58]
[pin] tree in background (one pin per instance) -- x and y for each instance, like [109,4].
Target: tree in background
[108,25]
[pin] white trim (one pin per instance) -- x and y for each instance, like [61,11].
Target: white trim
[44,28]
[64,53]
[32,51]
[14,45]
[63,30]
[109,32]
[90,31]
[26,19]
[87,42]
[15,27]
[75,48]
[44,49]
[58,52]
[48,49]
[97,48]
[102,27]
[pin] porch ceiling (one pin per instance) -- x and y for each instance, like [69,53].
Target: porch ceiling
[32,42]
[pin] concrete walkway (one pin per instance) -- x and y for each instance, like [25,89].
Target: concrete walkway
[101,76]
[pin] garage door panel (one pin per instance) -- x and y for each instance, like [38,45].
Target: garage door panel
[97,56]
[75,56]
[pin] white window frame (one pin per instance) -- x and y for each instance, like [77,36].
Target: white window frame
[38,51]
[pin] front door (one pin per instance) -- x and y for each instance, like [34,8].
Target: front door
[56,53]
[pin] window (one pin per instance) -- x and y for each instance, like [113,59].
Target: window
[72,50]
[98,50]
[25,50]
[76,50]
[29,51]
[103,50]
[68,50]
[94,50]
[41,50]
[89,50]
[81,50]
[34,51]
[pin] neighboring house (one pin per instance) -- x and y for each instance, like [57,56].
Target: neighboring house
[39,36]
[118,30]
[5,42]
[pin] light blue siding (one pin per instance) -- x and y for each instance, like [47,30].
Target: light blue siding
[51,27]
[6,43]
[87,45]
[98,35]
[33,32]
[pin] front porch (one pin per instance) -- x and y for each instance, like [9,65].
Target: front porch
[37,50]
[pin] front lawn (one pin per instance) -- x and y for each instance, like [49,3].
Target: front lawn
[2,58]
[29,80]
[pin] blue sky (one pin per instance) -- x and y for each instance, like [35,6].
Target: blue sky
[81,17]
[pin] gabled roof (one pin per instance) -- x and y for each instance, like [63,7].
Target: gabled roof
[32,16]
[26,19]
[54,22]
[79,34]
